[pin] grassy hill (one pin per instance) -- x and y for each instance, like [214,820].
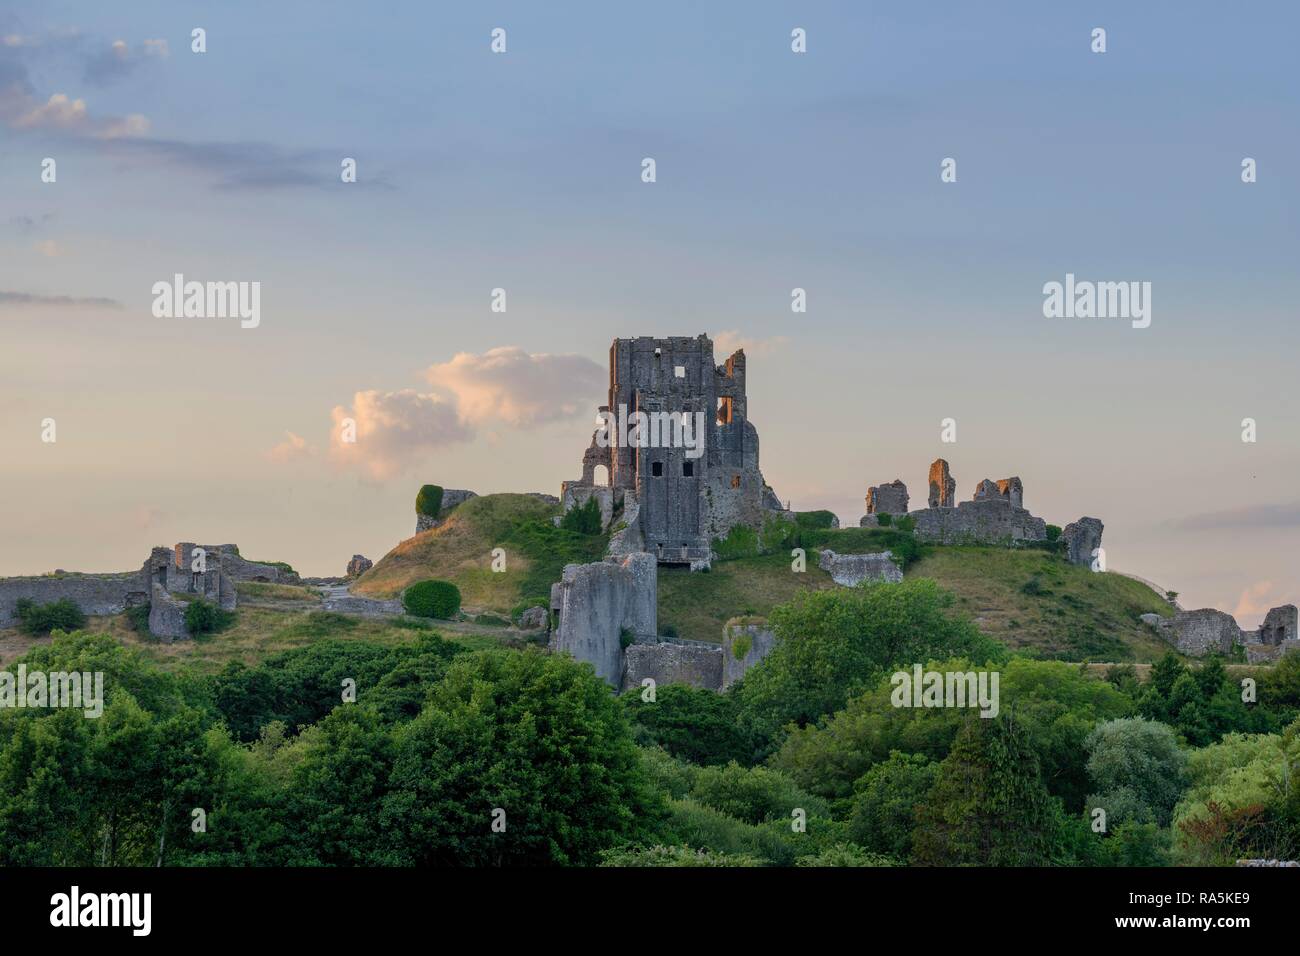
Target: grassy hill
[1029,599]
[460,550]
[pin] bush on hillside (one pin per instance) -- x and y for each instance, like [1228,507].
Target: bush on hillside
[202,617]
[440,599]
[583,519]
[39,619]
[429,501]
[815,519]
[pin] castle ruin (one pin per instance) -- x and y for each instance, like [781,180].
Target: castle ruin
[679,454]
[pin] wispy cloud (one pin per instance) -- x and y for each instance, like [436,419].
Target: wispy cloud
[1241,519]
[15,299]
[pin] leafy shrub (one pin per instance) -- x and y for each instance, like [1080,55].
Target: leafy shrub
[754,794]
[815,519]
[675,856]
[202,617]
[626,638]
[884,807]
[429,501]
[137,618]
[584,519]
[40,619]
[844,855]
[1053,532]
[884,519]
[440,599]
[690,723]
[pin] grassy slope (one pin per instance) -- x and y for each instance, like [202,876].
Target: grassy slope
[1076,615]
[266,624]
[461,551]
[697,605]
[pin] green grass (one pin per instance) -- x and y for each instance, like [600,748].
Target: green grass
[259,632]
[1037,602]
[697,604]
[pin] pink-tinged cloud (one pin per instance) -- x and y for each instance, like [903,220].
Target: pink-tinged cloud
[292,448]
[509,386]
[729,340]
[394,431]
[1254,600]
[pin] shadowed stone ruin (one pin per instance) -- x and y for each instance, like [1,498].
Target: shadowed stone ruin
[694,663]
[745,642]
[165,572]
[849,570]
[605,614]
[890,499]
[596,605]
[95,594]
[1279,625]
[359,565]
[1082,538]
[943,489]
[1207,630]
[679,455]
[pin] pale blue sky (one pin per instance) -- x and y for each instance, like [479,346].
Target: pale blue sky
[775,170]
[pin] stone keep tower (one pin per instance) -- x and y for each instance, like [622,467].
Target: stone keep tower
[675,499]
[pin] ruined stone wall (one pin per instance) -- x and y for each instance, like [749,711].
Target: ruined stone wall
[890,498]
[736,634]
[986,521]
[943,488]
[1279,625]
[96,594]
[677,662]
[1082,538]
[595,603]
[849,570]
[1197,633]
[451,497]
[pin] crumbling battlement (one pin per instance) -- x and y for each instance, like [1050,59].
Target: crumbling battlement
[888,499]
[1207,630]
[685,494]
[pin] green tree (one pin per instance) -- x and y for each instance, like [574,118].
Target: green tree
[833,645]
[883,811]
[988,806]
[692,723]
[1134,764]
[536,736]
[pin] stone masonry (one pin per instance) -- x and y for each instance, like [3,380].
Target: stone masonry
[595,604]
[682,497]
[1082,538]
[943,489]
[849,570]
[890,499]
